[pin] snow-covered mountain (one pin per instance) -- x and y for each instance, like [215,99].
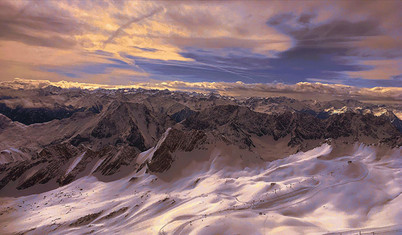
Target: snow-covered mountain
[138,161]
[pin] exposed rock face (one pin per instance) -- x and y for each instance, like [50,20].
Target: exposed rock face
[131,123]
[56,162]
[85,219]
[12,171]
[301,126]
[49,161]
[78,139]
[322,110]
[235,125]
[182,114]
[113,137]
[116,158]
[176,140]
[394,120]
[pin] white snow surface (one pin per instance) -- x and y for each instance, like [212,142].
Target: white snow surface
[75,163]
[299,194]
[12,155]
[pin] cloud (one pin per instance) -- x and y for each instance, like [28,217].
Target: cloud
[353,42]
[129,23]
[335,33]
[380,69]
[301,90]
[19,60]
[37,24]
[306,18]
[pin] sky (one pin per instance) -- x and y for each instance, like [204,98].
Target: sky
[356,43]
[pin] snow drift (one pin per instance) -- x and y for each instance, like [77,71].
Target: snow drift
[308,192]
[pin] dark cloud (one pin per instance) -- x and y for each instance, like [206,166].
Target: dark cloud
[53,41]
[280,19]
[306,18]
[103,53]
[51,29]
[146,49]
[335,33]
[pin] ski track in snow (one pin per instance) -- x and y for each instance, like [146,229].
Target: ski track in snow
[296,195]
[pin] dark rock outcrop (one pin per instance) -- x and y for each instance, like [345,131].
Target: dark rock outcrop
[130,123]
[52,163]
[29,116]
[176,140]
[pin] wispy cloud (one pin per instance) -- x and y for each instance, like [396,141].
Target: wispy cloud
[129,23]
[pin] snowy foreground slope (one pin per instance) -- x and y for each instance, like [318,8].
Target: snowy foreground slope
[303,193]
[160,162]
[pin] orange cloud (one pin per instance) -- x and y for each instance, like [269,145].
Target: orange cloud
[382,69]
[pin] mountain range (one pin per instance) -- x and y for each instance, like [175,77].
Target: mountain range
[51,138]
